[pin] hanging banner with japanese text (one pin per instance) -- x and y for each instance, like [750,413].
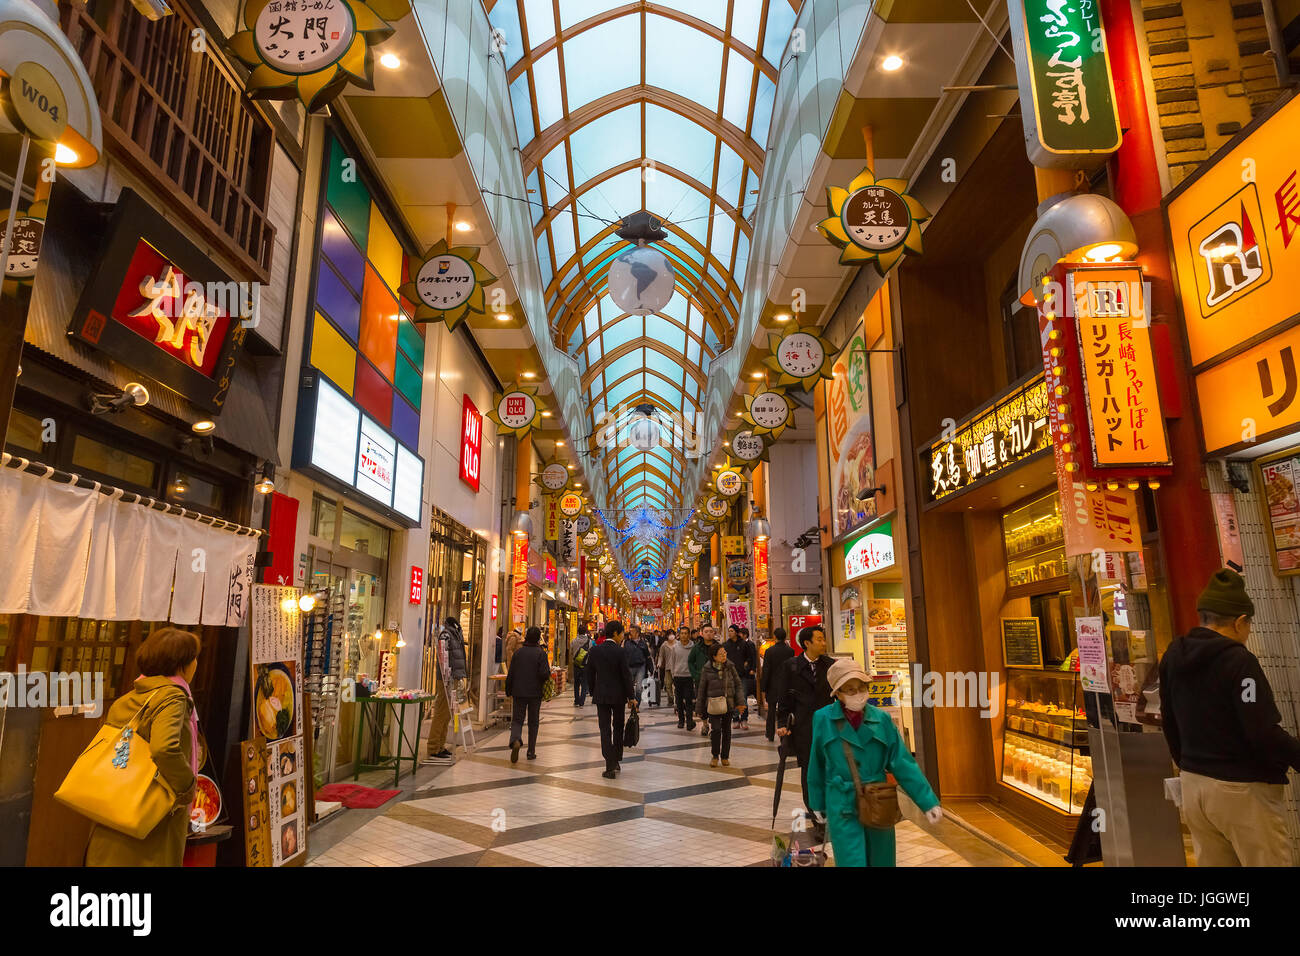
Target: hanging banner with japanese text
[762,585]
[551,521]
[850,438]
[1124,421]
[1067,93]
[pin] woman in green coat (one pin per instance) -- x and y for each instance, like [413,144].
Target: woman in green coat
[167,659]
[877,750]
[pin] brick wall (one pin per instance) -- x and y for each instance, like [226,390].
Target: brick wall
[1211,72]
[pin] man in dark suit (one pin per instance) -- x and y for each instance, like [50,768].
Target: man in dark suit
[611,688]
[804,691]
[772,674]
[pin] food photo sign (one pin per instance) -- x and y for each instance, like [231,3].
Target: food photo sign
[275,662]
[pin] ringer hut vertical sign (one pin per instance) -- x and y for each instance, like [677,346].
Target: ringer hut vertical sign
[1119,375]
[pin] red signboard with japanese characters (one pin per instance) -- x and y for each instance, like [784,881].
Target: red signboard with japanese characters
[417,584]
[156,303]
[471,443]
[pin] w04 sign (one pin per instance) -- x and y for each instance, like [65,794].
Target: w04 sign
[471,444]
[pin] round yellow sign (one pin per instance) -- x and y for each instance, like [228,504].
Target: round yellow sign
[35,103]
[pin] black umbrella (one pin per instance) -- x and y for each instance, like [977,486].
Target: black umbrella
[784,750]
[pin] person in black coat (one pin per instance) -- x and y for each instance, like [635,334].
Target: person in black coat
[525,681]
[772,674]
[611,688]
[805,690]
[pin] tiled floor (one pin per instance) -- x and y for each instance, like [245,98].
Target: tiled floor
[666,808]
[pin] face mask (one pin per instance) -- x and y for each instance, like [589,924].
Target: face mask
[855,701]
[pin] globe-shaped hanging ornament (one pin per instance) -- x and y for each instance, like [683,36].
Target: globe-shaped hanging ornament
[641,280]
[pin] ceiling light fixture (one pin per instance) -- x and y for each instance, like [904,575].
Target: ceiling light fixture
[64,155]
[390,61]
[503,316]
[203,426]
[529,374]
[891,63]
[782,316]
[462,226]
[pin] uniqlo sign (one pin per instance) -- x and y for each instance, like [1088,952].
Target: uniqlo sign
[417,584]
[471,444]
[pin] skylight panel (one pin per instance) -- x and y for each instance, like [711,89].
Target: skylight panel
[745,19]
[661,330]
[763,110]
[617,196]
[735,100]
[575,11]
[597,61]
[683,60]
[546,81]
[724,231]
[673,139]
[541,21]
[562,235]
[780,21]
[535,204]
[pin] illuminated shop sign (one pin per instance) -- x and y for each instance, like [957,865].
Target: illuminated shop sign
[872,552]
[1234,229]
[1009,431]
[471,443]
[156,303]
[1067,93]
[336,439]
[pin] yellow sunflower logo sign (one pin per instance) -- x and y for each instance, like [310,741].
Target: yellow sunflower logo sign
[800,356]
[874,220]
[310,49]
[768,411]
[447,284]
[516,411]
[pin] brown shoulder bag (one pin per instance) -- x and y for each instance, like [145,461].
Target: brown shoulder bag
[877,802]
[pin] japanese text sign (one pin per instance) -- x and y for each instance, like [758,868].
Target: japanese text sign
[1119,376]
[1067,93]
[417,584]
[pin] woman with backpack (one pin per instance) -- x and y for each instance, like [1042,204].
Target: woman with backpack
[720,693]
[854,746]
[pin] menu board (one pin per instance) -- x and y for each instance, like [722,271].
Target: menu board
[1279,477]
[275,660]
[886,614]
[1022,644]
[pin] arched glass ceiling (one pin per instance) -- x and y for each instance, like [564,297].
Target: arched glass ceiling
[627,106]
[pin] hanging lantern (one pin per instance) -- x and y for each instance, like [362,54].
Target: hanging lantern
[641,280]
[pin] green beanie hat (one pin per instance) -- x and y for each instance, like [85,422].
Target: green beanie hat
[1226,595]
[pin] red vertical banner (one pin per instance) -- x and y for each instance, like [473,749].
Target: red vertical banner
[519,581]
[582,582]
[762,597]
[471,443]
[281,540]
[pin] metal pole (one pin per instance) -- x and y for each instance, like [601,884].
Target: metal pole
[13,204]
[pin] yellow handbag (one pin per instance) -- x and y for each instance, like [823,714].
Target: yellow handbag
[116,783]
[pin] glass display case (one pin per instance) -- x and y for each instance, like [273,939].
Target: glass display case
[1045,744]
[1034,538]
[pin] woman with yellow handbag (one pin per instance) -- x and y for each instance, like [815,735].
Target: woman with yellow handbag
[140,770]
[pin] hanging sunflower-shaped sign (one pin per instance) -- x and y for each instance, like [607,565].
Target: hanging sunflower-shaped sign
[447,283]
[516,411]
[591,542]
[801,356]
[727,480]
[582,524]
[310,49]
[769,411]
[715,506]
[874,220]
[571,505]
[749,447]
[554,477]
[24,246]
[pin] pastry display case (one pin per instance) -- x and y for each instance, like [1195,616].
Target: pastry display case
[1034,538]
[1045,740]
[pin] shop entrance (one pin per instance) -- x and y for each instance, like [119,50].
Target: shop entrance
[457,584]
[348,557]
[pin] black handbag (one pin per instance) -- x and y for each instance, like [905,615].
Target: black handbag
[632,730]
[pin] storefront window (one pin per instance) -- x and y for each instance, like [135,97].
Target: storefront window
[185,489]
[24,432]
[364,536]
[74,645]
[96,456]
[324,512]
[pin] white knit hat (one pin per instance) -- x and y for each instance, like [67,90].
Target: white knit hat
[844,670]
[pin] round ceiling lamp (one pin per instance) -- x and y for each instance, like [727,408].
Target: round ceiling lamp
[641,280]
